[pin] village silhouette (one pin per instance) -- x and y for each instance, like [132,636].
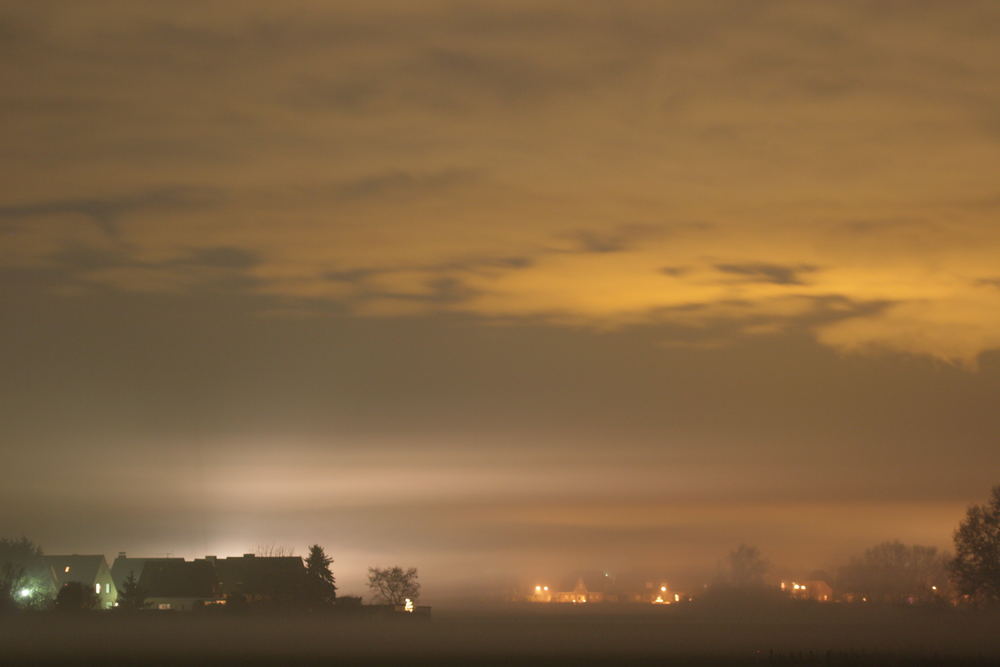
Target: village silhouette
[880,588]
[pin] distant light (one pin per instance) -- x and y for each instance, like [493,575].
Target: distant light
[663,589]
[24,592]
[538,589]
[545,588]
[659,600]
[97,588]
[66,569]
[933,588]
[408,605]
[677,597]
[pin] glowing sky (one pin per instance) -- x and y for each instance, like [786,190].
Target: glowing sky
[492,287]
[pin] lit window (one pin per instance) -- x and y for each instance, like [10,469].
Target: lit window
[107,589]
[66,569]
[97,588]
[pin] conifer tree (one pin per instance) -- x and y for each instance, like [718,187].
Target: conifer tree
[322,585]
[131,597]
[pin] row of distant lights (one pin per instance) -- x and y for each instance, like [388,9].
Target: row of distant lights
[659,598]
[795,586]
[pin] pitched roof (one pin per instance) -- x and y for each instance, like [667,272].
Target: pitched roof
[124,566]
[262,575]
[177,578]
[84,569]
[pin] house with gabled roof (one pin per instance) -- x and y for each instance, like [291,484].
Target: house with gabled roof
[268,580]
[179,585]
[90,570]
[125,566]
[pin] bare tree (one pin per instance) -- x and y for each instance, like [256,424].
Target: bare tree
[394,585]
[894,572]
[975,569]
[273,551]
[746,566]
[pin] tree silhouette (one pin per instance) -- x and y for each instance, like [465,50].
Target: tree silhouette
[394,585]
[20,551]
[322,587]
[273,551]
[16,556]
[896,572]
[130,596]
[11,582]
[746,566]
[75,597]
[976,567]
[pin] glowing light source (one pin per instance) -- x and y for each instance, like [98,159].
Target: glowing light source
[24,592]
[677,597]
[663,589]
[545,588]
[538,589]
[66,569]
[408,606]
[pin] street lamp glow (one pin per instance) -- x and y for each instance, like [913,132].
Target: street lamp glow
[24,592]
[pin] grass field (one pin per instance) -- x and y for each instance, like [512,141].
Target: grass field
[516,636]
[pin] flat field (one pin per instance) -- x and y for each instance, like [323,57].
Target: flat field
[516,635]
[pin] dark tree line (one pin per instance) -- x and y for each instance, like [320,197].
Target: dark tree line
[893,572]
[975,569]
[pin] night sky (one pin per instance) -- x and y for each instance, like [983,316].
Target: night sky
[495,288]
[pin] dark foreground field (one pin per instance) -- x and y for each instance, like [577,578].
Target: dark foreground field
[516,636]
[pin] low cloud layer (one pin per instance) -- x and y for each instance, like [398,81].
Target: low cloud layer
[775,153]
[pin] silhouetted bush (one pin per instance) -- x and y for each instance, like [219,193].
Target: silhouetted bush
[75,597]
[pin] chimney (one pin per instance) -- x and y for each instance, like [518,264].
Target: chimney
[211,557]
[248,555]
